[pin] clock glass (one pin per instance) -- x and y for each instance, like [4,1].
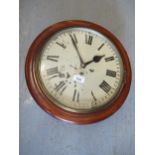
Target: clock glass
[80,70]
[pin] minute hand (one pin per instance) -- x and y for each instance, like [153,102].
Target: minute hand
[77,50]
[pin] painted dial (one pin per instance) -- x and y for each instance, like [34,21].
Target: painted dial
[80,69]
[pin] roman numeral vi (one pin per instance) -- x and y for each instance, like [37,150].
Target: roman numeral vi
[76,96]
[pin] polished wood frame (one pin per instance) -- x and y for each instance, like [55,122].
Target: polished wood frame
[53,109]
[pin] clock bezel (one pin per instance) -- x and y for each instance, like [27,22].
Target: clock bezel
[50,107]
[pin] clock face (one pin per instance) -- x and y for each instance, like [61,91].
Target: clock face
[80,70]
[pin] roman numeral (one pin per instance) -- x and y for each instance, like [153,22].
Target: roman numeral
[93,96]
[73,37]
[105,86]
[53,58]
[88,39]
[60,87]
[52,71]
[111,73]
[76,96]
[100,46]
[109,58]
[61,44]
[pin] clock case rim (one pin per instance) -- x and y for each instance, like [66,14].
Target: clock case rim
[49,106]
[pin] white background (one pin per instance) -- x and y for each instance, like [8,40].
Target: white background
[145,77]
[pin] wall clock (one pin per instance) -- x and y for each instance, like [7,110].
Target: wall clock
[78,71]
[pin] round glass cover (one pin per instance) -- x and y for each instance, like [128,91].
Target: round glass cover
[80,69]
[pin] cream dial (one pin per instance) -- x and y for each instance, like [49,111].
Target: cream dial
[80,69]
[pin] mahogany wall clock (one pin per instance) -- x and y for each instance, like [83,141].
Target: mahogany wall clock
[78,71]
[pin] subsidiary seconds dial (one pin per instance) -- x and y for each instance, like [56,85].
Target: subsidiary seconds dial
[80,70]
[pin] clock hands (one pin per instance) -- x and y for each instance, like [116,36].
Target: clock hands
[77,50]
[95,59]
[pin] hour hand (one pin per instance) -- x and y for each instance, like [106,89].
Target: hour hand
[95,59]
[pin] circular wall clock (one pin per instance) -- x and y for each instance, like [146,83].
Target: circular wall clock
[78,71]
